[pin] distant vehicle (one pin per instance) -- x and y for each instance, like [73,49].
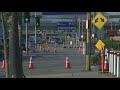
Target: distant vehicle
[111,33]
[52,41]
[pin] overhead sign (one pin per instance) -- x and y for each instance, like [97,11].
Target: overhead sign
[66,24]
[100,45]
[99,20]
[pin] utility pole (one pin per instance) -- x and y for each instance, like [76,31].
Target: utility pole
[88,41]
[35,32]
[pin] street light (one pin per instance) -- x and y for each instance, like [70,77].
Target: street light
[26,36]
[35,31]
[26,21]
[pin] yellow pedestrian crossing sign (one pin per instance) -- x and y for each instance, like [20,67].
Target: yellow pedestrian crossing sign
[99,20]
[100,45]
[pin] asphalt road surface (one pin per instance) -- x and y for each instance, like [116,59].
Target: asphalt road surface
[51,62]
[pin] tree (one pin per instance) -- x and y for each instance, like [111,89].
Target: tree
[20,41]
[4,19]
[15,65]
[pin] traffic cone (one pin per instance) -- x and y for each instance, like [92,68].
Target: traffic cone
[67,63]
[106,64]
[30,63]
[3,64]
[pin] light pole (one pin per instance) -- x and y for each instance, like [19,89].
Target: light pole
[79,33]
[26,36]
[82,32]
[35,31]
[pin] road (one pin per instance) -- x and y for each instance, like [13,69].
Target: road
[53,63]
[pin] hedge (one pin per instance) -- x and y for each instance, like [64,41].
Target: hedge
[112,44]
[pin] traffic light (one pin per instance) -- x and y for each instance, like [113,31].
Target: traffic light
[37,21]
[26,17]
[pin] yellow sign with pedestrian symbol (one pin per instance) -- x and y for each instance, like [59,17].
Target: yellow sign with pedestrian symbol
[100,45]
[99,20]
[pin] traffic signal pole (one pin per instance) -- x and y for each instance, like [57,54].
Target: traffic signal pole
[88,54]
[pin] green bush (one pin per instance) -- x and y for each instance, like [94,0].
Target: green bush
[96,59]
[111,44]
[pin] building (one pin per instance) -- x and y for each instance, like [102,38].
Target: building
[49,22]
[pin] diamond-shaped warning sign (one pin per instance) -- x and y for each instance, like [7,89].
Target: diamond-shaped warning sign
[99,20]
[100,45]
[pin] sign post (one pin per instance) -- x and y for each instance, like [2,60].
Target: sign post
[99,21]
[100,45]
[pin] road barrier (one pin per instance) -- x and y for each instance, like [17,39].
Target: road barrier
[114,62]
[118,64]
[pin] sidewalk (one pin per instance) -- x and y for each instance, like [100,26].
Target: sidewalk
[90,74]
[94,73]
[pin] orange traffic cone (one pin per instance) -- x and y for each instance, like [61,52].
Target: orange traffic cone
[3,64]
[106,64]
[30,63]
[67,63]
[79,50]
